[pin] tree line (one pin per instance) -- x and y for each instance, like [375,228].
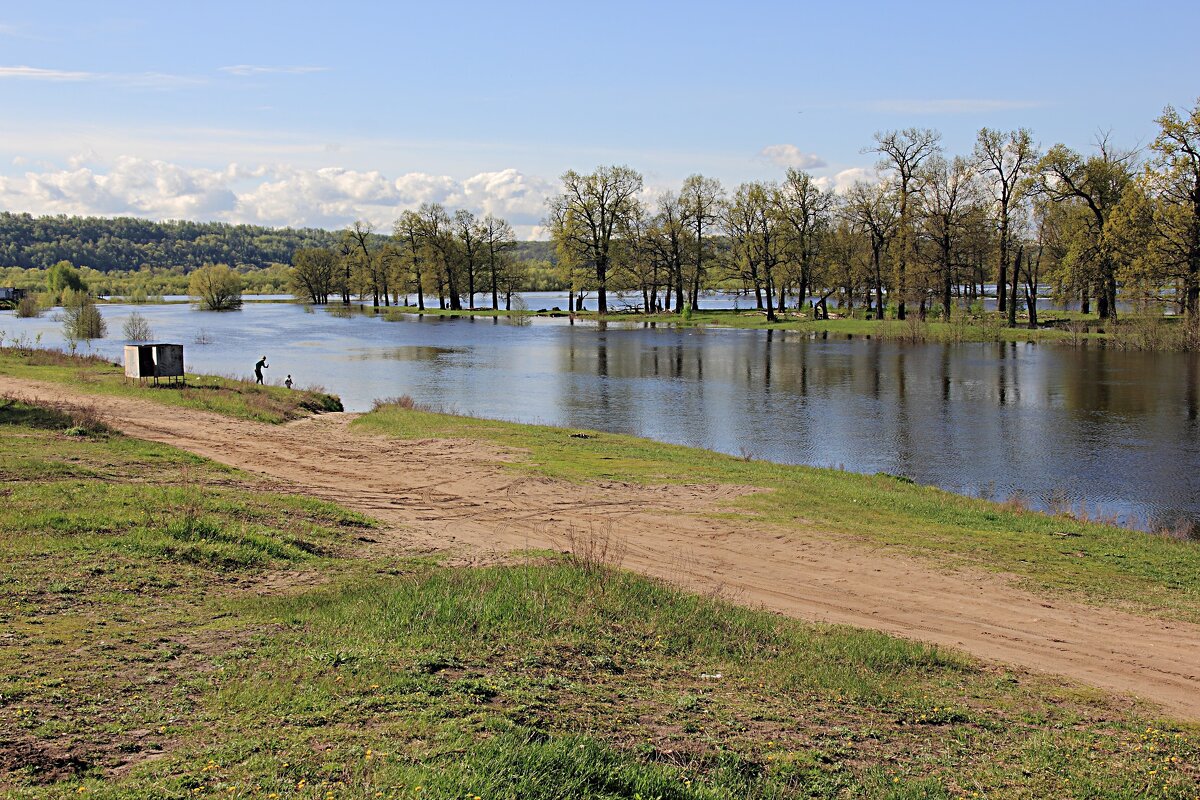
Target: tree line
[936,231]
[129,243]
[451,254]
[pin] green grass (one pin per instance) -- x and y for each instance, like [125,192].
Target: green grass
[1150,574]
[172,630]
[986,328]
[236,398]
[1134,332]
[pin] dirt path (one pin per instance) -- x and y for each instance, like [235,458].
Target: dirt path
[455,494]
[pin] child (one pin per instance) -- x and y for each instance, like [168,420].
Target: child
[288,382]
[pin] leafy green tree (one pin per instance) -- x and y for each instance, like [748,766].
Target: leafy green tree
[1096,184]
[437,237]
[470,251]
[667,240]
[590,217]
[407,231]
[1172,183]
[364,261]
[314,274]
[63,277]
[216,287]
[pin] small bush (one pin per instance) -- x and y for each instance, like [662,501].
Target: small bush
[403,402]
[81,319]
[1153,331]
[28,307]
[137,328]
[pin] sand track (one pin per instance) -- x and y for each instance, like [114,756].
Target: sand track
[457,495]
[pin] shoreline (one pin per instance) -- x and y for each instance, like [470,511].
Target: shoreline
[1154,333]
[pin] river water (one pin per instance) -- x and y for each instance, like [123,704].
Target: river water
[1110,433]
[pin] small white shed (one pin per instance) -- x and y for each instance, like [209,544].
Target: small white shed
[155,361]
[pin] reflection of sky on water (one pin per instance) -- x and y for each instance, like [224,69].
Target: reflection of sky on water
[1115,431]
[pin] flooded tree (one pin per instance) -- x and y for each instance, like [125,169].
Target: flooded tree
[497,239]
[81,319]
[591,215]
[437,237]
[366,265]
[667,246]
[407,232]
[216,287]
[314,274]
[469,240]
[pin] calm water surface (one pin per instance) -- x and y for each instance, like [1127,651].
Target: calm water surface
[1113,433]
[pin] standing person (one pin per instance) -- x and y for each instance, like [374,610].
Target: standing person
[288,382]
[259,367]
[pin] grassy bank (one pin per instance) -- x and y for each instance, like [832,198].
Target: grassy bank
[1152,574]
[173,630]
[978,329]
[236,398]
[1136,332]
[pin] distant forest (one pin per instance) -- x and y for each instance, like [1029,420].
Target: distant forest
[128,243]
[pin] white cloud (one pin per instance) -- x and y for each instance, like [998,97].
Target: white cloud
[243,70]
[788,155]
[521,199]
[39,74]
[276,195]
[841,181]
[144,80]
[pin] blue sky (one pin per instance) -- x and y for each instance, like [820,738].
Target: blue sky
[307,113]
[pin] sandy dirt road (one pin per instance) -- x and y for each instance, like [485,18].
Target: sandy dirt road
[457,495]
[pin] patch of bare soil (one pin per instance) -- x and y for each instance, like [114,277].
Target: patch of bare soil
[457,495]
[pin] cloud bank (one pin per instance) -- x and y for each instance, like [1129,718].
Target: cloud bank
[329,197]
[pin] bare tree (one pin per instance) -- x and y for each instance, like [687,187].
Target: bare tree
[497,239]
[874,209]
[1007,159]
[699,204]
[947,194]
[805,210]
[903,152]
